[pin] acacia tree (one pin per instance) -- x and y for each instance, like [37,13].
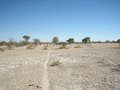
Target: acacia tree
[26,38]
[70,40]
[55,40]
[36,41]
[86,40]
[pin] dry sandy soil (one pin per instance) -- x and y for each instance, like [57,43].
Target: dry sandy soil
[80,67]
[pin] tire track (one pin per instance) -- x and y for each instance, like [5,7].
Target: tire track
[45,81]
[109,59]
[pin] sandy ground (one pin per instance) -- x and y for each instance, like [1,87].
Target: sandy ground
[89,67]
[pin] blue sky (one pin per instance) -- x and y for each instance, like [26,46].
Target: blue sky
[44,19]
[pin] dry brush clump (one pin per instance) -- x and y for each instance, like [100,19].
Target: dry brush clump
[36,41]
[116,68]
[30,46]
[55,63]
[77,46]
[10,47]
[63,45]
[2,49]
[45,48]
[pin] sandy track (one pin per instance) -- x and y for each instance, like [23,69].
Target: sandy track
[45,81]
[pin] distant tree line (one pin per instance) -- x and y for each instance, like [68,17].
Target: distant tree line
[54,41]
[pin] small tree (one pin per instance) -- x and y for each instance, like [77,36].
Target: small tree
[118,41]
[26,38]
[2,43]
[36,41]
[55,40]
[70,40]
[107,41]
[86,40]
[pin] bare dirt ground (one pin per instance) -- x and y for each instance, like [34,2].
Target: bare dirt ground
[82,67]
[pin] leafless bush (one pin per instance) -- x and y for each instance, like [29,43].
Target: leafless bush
[77,47]
[30,46]
[45,48]
[55,63]
[116,68]
[63,45]
[10,47]
[2,49]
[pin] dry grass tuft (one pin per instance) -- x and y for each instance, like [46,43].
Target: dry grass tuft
[77,47]
[45,48]
[55,63]
[30,46]
[2,49]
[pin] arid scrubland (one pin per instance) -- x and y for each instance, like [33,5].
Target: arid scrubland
[72,67]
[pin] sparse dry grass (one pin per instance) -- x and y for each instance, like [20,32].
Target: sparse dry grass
[116,68]
[2,49]
[30,46]
[55,63]
[45,48]
[77,46]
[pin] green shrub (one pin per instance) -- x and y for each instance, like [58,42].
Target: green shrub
[86,40]
[70,41]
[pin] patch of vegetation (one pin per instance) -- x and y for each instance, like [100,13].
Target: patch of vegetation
[33,85]
[86,40]
[2,43]
[116,68]
[55,63]
[55,40]
[26,38]
[45,48]
[2,49]
[36,41]
[118,41]
[77,47]
[100,62]
[10,47]
[70,41]
[30,46]
[63,45]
